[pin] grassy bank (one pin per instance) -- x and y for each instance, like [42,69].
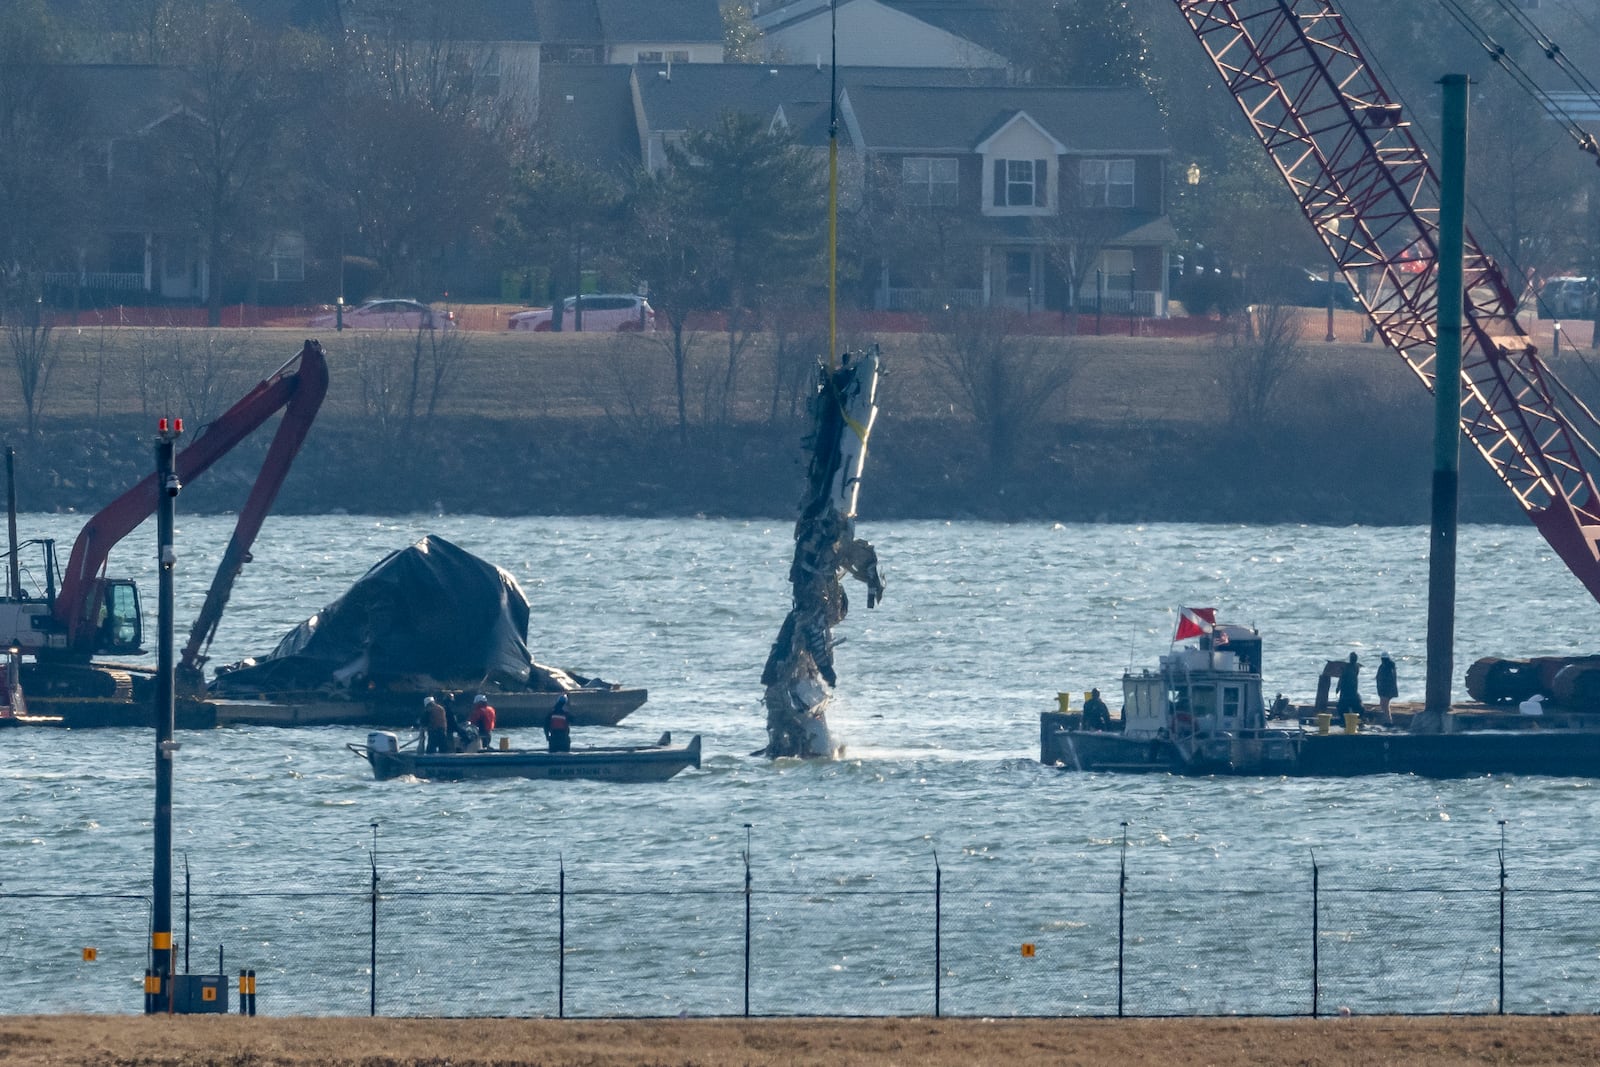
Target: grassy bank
[586,424]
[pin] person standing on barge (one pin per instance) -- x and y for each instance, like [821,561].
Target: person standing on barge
[1388,687]
[1349,691]
[1096,716]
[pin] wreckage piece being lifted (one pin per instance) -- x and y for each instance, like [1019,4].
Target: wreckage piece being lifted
[799,676]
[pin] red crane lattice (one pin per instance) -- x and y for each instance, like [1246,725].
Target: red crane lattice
[1366,186]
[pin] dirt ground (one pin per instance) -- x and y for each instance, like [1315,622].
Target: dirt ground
[230,1041]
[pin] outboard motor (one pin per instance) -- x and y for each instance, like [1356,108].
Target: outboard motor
[383,743]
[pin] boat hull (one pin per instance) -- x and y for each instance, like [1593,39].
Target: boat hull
[648,764]
[585,707]
[1573,753]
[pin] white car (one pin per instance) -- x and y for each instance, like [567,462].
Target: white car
[602,312]
[387,315]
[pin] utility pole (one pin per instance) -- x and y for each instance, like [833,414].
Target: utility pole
[167,487]
[1449,286]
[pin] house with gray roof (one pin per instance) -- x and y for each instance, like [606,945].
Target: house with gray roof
[887,33]
[675,100]
[630,31]
[1055,196]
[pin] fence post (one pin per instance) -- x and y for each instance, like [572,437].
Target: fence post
[1502,917]
[938,940]
[1099,298]
[372,938]
[1133,298]
[746,920]
[1122,897]
[1316,915]
[561,942]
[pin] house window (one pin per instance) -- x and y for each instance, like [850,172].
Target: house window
[677,55]
[287,260]
[1021,182]
[930,182]
[656,56]
[1106,182]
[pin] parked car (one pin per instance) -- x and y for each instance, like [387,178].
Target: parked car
[388,315]
[1568,297]
[602,312]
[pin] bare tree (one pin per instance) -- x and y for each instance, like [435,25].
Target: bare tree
[1004,380]
[404,377]
[35,352]
[1255,358]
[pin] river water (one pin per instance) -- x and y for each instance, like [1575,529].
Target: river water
[940,688]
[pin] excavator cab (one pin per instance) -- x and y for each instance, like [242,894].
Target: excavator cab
[120,630]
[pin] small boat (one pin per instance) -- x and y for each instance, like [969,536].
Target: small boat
[1201,712]
[633,763]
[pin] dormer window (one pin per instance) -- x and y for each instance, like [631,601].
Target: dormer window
[1021,182]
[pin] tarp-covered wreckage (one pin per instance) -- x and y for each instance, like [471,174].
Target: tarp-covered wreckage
[430,614]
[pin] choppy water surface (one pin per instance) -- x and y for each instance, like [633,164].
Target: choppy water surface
[940,690]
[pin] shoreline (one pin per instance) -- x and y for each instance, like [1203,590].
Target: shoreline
[233,1041]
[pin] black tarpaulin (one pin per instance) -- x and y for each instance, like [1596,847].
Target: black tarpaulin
[432,610]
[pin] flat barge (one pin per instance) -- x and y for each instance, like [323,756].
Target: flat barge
[1201,712]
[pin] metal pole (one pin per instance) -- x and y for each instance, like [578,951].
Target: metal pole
[1447,402]
[167,487]
[1099,297]
[187,937]
[833,184]
[1133,294]
[1122,898]
[747,920]
[1502,917]
[1331,276]
[372,963]
[1316,979]
[561,943]
[938,940]
[14,568]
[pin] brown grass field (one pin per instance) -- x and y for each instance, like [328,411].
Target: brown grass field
[230,1041]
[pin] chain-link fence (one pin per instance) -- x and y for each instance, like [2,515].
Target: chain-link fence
[1473,938]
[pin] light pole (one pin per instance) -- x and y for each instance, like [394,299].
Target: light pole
[167,487]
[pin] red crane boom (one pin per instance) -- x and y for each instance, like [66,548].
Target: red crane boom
[1360,177]
[299,393]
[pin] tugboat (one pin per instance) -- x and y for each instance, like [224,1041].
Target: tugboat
[1201,712]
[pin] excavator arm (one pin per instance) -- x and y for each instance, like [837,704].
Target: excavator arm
[298,388]
[1339,140]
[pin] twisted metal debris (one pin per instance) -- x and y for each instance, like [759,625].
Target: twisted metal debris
[799,675]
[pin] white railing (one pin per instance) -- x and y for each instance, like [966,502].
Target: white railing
[932,299]
[1145,303]
[120,281]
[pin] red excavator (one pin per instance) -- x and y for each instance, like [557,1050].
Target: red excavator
[82,613]
[1342,143]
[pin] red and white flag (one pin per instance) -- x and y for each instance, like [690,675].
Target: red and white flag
[1193,622]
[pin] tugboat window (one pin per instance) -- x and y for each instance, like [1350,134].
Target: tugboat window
[1230,702]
